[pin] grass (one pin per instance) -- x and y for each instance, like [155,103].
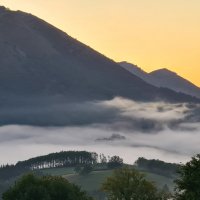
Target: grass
[58,171]
[160,181]
[93,181]
[96,178]
[90,182]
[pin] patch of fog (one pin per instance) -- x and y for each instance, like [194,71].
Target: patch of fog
[154,110]
[23,142]
[131,130]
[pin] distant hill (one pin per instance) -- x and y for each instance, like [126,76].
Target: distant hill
[42,67]
[164,78]
[64,163]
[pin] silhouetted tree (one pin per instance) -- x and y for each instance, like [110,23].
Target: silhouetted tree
[157,166]
[31,187]
[188,183]
[54,160]
[115,162]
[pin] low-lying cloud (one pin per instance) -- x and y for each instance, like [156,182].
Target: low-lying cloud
[120,126]
[118,114]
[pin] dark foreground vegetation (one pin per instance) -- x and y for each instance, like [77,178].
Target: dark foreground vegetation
[101,177]
[128,183]
[31,187]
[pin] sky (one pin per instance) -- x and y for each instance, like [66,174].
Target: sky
[153,34]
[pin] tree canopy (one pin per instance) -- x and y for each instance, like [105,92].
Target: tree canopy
[115,162]
[129,184]
[188,184]
[157,166]
[53,160]
[31,187]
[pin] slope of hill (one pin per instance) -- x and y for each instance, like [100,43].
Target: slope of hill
[134,69]
[92,182]
[164,78]
[38,59]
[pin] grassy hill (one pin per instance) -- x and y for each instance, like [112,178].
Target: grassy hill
[92,182]
[64,164]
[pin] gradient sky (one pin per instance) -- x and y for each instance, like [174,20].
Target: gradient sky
[150,33]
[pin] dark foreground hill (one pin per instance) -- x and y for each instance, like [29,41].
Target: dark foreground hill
[43,66]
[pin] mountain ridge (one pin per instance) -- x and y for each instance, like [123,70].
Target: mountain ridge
[164,78]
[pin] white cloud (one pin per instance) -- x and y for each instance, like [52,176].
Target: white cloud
[23,142]
[155,111]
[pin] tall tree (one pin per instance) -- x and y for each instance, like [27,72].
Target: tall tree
[129,184]
[188,183]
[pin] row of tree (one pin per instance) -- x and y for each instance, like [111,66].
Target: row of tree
[61,159]
[157,166]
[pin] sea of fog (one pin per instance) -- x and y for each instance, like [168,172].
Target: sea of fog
[169,132]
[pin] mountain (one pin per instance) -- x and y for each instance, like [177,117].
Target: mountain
[42,67]
[37,59]
[134,69]
[164,78]
[171,80]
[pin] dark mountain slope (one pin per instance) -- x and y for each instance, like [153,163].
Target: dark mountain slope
[42,67]
[38,59]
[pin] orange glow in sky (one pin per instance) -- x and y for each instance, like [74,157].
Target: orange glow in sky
[150,33]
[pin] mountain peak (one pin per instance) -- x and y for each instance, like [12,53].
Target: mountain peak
[164,72]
